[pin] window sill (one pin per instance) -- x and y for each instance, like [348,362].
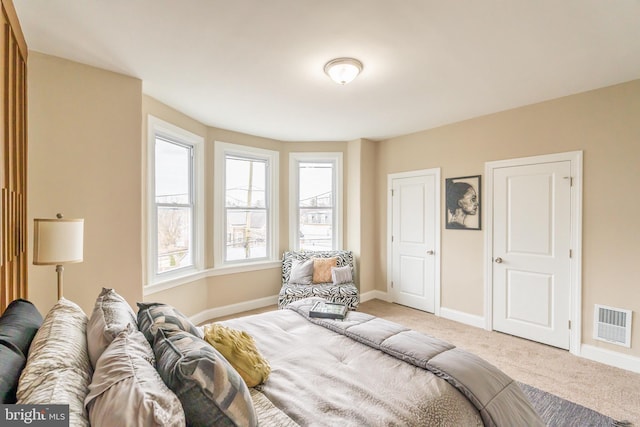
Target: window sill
[192,276]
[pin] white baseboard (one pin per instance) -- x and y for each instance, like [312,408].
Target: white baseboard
[611,358]
[381,295]
[462,317]
[233,309]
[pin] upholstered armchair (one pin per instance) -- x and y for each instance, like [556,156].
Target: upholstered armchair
[325,274]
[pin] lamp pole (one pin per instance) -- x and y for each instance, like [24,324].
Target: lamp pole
[59,270]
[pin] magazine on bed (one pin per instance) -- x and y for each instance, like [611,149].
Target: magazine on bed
[328,310]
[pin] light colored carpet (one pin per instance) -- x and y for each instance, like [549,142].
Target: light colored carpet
[611,391]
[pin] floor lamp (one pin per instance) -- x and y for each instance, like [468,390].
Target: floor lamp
[56,242]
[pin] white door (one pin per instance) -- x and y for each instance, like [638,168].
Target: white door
[531,251]
[414,240]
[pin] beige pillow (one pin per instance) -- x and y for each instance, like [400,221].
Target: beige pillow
[322,269]
[126,389]
[239,348]
[111,315]
[58,370]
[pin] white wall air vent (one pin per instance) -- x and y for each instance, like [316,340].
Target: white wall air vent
[612,325]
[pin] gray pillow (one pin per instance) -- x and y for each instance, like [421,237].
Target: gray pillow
[301,272]
[341,275]
[211,391]
[154,316]
[11,365]
[111,315]
[18,325]
[126,389]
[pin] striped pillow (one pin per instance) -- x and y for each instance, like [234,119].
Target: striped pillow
[154,316]
[212,393]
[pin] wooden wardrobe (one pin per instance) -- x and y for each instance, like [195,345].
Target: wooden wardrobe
[13,159]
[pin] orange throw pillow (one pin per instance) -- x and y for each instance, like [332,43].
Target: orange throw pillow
[322,269]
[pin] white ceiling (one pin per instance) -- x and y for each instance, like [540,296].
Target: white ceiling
[256,66]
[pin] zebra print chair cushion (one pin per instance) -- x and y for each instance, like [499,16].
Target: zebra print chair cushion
[345,293]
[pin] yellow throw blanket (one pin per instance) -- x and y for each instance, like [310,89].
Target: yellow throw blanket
[239,348]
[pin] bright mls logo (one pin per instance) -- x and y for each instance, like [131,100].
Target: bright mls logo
[35,415]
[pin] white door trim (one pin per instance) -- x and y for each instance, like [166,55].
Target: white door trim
[411,174]
[575,159]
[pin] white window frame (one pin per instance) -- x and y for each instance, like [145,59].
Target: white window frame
[294,190]
[222,149]
[159,128]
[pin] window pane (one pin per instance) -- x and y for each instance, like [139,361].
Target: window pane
[173,175]
[174,238]
[315,205]
[316,184]
[245,182]
[246,234]
[316,229]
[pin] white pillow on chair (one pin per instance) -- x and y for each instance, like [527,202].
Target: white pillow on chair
[341,275]
[301,272]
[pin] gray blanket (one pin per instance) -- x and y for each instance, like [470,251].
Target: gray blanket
[496,396]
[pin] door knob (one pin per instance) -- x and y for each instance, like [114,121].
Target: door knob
[430,252]
[499,260]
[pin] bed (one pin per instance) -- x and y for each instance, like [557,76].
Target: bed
[368,371]
[156,368]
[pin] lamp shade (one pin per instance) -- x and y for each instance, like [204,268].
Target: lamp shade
[57,241]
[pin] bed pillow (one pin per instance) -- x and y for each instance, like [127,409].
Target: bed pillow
[111,315]
[126,389]
[341,275]
[154,316]
[301,272]
[240,350]
[322,269]
[212,393]
[18,325]
[11,364]
[58,369]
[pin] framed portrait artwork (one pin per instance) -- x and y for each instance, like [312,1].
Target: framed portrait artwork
[463,203]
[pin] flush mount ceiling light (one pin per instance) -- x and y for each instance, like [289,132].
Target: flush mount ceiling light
[343,70]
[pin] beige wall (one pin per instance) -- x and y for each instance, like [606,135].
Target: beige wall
[352,183]
[84,161]
[361,207]
[605,125]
